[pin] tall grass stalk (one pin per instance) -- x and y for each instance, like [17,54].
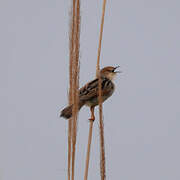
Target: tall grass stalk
[76,82]
[73,84]
[101,123]
[88,150]
[101,127]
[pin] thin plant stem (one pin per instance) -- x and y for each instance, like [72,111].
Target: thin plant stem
[75,83]
[88,149]
[101,124]
[71,47]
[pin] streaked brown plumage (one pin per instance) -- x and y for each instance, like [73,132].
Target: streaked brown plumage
[88,94]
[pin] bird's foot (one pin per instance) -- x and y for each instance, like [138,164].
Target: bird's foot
[92,119]
[92,114]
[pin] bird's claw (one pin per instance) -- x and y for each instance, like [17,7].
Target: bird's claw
[92,119]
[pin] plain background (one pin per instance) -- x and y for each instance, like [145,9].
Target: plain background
[142,118]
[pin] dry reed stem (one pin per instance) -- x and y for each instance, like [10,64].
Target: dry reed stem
[71,47]
[102,153]
[75,82]
[101,124]
[88,150]
[69,148]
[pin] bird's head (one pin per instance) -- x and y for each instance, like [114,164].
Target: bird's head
[109,72]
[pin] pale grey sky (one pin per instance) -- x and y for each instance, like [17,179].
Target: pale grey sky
[142,118]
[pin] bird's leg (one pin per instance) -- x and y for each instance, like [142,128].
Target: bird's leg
[92,113]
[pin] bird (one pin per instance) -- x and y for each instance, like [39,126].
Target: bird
[88,94]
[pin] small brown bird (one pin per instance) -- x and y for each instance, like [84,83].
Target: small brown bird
[88,94]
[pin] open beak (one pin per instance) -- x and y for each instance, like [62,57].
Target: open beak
[117,71]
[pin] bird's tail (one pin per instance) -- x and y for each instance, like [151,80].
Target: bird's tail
[67,111]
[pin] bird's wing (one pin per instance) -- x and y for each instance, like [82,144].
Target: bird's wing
[90,90]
